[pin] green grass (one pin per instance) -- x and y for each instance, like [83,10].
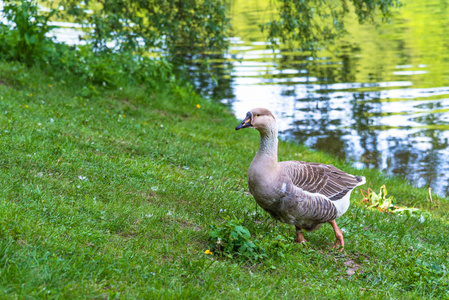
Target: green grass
[112,192]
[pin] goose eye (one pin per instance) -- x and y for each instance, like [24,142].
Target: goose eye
[257,115]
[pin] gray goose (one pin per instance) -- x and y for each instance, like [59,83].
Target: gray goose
[299,193]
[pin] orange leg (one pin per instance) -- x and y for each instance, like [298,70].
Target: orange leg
[339,235]
[299,235]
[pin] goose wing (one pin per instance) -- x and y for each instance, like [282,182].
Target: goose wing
[322,179]
[302,208]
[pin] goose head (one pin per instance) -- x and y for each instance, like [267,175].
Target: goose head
[259,118]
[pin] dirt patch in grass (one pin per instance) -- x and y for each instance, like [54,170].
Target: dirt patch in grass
[352,263]
[127,235]
[352,267]
[185,224]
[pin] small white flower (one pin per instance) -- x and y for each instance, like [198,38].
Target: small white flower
[78,186]
[52,120]
[39,124]
[154,188]
[421,219]
[148,215]
[43,101]
[169,213]
[82,177]
[162,126]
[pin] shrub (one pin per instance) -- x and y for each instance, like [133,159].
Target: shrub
[112,69]
[25,41]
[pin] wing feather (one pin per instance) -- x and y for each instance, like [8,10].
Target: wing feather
[322,179]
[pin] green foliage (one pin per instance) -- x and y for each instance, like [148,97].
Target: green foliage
[310,25]
[383,203]
[366,9]
[193,29]
[232,239]
[112,69]
[176,27]
[180,30]
[25,41]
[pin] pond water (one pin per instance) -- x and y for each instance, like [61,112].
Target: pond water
[381,100]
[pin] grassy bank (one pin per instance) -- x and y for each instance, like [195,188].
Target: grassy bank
[112,193]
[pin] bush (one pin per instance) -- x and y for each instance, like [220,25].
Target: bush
[26,41]
[112,69]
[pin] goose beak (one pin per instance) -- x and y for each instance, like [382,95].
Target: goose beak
[248,122]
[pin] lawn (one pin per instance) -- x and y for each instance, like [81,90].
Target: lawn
[113,192]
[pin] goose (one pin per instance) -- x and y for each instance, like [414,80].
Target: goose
[303,194]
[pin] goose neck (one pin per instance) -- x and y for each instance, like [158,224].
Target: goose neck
[269,143]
